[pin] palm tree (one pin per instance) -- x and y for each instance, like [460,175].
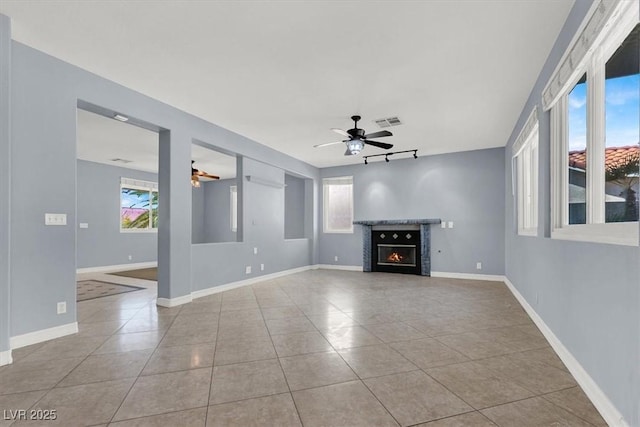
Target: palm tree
[625,174]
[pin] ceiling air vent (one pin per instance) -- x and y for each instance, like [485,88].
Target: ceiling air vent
[388,122]
[119,160]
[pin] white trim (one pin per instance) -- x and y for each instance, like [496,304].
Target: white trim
[263,181]
[240,283]
[530,126]
[5,358]
[43,335]
[118,267]
[468,276]
[602,403]
[174,302]
[612,233]
[339,267]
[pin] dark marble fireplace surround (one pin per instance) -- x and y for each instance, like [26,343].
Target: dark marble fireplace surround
[424,225]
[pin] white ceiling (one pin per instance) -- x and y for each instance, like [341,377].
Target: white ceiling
[102,139]
[283,73]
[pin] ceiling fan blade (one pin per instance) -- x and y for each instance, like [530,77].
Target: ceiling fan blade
[379,144]
[340,131]
[328,143]
[208,175]
[379,134]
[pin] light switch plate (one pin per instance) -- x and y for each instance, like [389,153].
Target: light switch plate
[247,269]
[255,251]
[450,224]
[84,225]
[62,307]
[443,224]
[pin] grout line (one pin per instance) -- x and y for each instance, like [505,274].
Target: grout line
[213,361]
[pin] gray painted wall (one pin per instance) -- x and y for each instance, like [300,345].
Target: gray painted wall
[43,133]
[217,211]
[98,205]
[466,188]
[263,227]
[294,207]
[197,216]
[588,294]
[5,177]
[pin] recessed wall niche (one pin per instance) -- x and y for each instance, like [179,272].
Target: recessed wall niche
[295,202]
[214,214]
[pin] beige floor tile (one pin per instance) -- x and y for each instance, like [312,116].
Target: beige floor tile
[83,404]
[189,418]
[282,312]
[247,350]
[471,419]
[533,375]
[376,360]
[393,332]
[189,336]
[300,343]
[38,375]
[67,347]
[332,320]
[100,328]
[477,345]
[104,367]
[575,401]
[428,353]
[239,304]
[275,411]
[477,385]
[12,404]
[129,342]
[247,380]
[289,325]
[347,404]
[414,397]
[146,325]
[353,336]
[534,412]
[162,393]
[315,370]
[369,317]
[180,358]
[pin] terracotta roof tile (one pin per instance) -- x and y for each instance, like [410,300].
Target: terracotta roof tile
[614,156]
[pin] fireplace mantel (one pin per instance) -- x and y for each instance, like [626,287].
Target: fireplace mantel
[425,240]
[399,221]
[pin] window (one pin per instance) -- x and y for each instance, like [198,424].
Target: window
[595,129]
[338,204]
[233,190]
[138,205]
[526,165]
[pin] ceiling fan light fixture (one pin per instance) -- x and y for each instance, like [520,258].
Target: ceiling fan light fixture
[195,181]
[355,146]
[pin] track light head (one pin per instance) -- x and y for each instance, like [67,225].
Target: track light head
[415,154]
[365,161]
[386,159]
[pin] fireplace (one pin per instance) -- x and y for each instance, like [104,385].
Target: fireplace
[396,251]
[397,246]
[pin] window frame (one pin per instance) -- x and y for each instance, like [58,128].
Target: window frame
[326,183]
[233,208]
[138,184]
[526,161]
[615,31]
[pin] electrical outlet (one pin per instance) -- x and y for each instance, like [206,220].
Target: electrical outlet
[255,251]
[62,307]
[84,225]
[450,224]
[130,257]
[247,269]
[55,219]
[443,224]
[478,266]
[335,258]
[261,267]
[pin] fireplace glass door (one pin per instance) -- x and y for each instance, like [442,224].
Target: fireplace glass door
[399,255]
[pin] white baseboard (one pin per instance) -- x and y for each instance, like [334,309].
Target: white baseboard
[339,267]
[119,267]
[233,285]
[468,276]
[5,357]
[602,403]
[174,302]
[43,335]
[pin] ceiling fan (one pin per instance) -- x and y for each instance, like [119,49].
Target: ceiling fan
[196,174]
[357,138]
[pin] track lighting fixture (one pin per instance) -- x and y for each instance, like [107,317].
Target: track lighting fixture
[386,155]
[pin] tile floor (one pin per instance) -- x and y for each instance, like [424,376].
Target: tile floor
[319,348]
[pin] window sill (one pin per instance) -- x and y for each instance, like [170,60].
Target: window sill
[337,232]
[529,232]
[621,233]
